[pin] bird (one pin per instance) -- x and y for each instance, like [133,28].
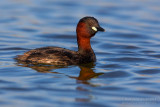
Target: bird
[87,27]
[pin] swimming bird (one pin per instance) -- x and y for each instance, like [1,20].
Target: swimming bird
[87,27]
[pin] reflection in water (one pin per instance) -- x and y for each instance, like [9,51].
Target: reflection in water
[86,71]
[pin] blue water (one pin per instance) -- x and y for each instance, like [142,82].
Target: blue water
[127,71]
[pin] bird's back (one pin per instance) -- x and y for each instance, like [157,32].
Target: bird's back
[50,55]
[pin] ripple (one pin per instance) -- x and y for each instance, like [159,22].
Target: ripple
[149,71]
[151,92]
[128,59]
[132,47]
[6,82]
[31,30]
[116,74]
[129,36]
[155,55]
[111,66]
[113,88]
[54,36]
[13,48]
[16,89]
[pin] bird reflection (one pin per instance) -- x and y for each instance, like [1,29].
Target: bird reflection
[86,71]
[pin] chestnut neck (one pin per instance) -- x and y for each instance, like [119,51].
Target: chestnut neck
[84,44]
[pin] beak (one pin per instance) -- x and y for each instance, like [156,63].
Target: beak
[100,29]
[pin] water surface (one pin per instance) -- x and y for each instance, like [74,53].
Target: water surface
[127,71]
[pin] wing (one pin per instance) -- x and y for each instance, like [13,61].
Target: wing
[50,55]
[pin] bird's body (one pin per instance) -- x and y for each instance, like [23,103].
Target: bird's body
[56,56]
[86,28]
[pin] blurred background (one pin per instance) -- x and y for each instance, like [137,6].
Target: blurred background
[127,71]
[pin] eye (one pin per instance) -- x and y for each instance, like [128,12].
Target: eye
[94,28]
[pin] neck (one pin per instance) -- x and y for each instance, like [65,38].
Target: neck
[84,44]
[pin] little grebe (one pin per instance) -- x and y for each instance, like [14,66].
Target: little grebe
[86,28]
